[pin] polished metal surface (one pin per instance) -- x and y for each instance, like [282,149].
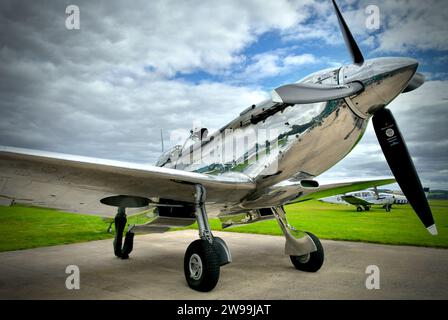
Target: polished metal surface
[205,232]
[298,243]
[77,184]
[303,93]
[253,162]
[305,258]
[291,191]
[308,139]
[416,82]
[161,224]
[267,157]
[246,217]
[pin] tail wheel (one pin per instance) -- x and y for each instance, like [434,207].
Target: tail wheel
[310,262]
[201,266]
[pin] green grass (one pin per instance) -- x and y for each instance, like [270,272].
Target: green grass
[24,227]
[339,222]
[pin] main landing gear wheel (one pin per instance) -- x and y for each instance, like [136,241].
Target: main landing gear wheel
[310,262]
[205,256]
[359,209]
[201,266]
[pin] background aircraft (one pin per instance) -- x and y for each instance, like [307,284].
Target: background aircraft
[365,199]
[285,142]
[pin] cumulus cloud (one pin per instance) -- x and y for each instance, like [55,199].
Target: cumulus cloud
[405,25]
[411,25]
[107,89]
[271,64]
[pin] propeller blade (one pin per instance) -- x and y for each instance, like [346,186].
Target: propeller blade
[417,80]
[400,162]
[375,189]
[350,42]
[309,93]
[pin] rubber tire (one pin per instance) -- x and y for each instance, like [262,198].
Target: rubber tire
[210,266]
[315,261]
[367,208]
[359,209]
[388,208]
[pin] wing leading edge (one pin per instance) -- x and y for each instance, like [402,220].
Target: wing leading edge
[343,187]
[294,191]
[77,184]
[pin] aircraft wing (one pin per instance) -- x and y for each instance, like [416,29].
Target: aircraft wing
[342,187]
[77,184]
[295,191]
[355,200]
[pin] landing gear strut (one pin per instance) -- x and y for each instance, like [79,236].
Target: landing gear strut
[312,261]
[120,223]
[204,256]
[304,248]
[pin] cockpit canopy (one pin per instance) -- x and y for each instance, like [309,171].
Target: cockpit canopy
[170,155]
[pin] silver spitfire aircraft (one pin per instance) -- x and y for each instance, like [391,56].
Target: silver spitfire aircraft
[317,122]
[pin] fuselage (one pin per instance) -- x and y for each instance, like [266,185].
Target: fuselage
[272,142]
[368,196]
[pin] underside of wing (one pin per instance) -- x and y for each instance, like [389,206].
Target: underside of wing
[77,184]
[342,187]
[297,191]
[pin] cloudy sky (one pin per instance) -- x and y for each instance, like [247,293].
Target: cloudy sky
[134,68]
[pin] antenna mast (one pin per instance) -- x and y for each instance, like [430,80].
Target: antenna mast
[161,139]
